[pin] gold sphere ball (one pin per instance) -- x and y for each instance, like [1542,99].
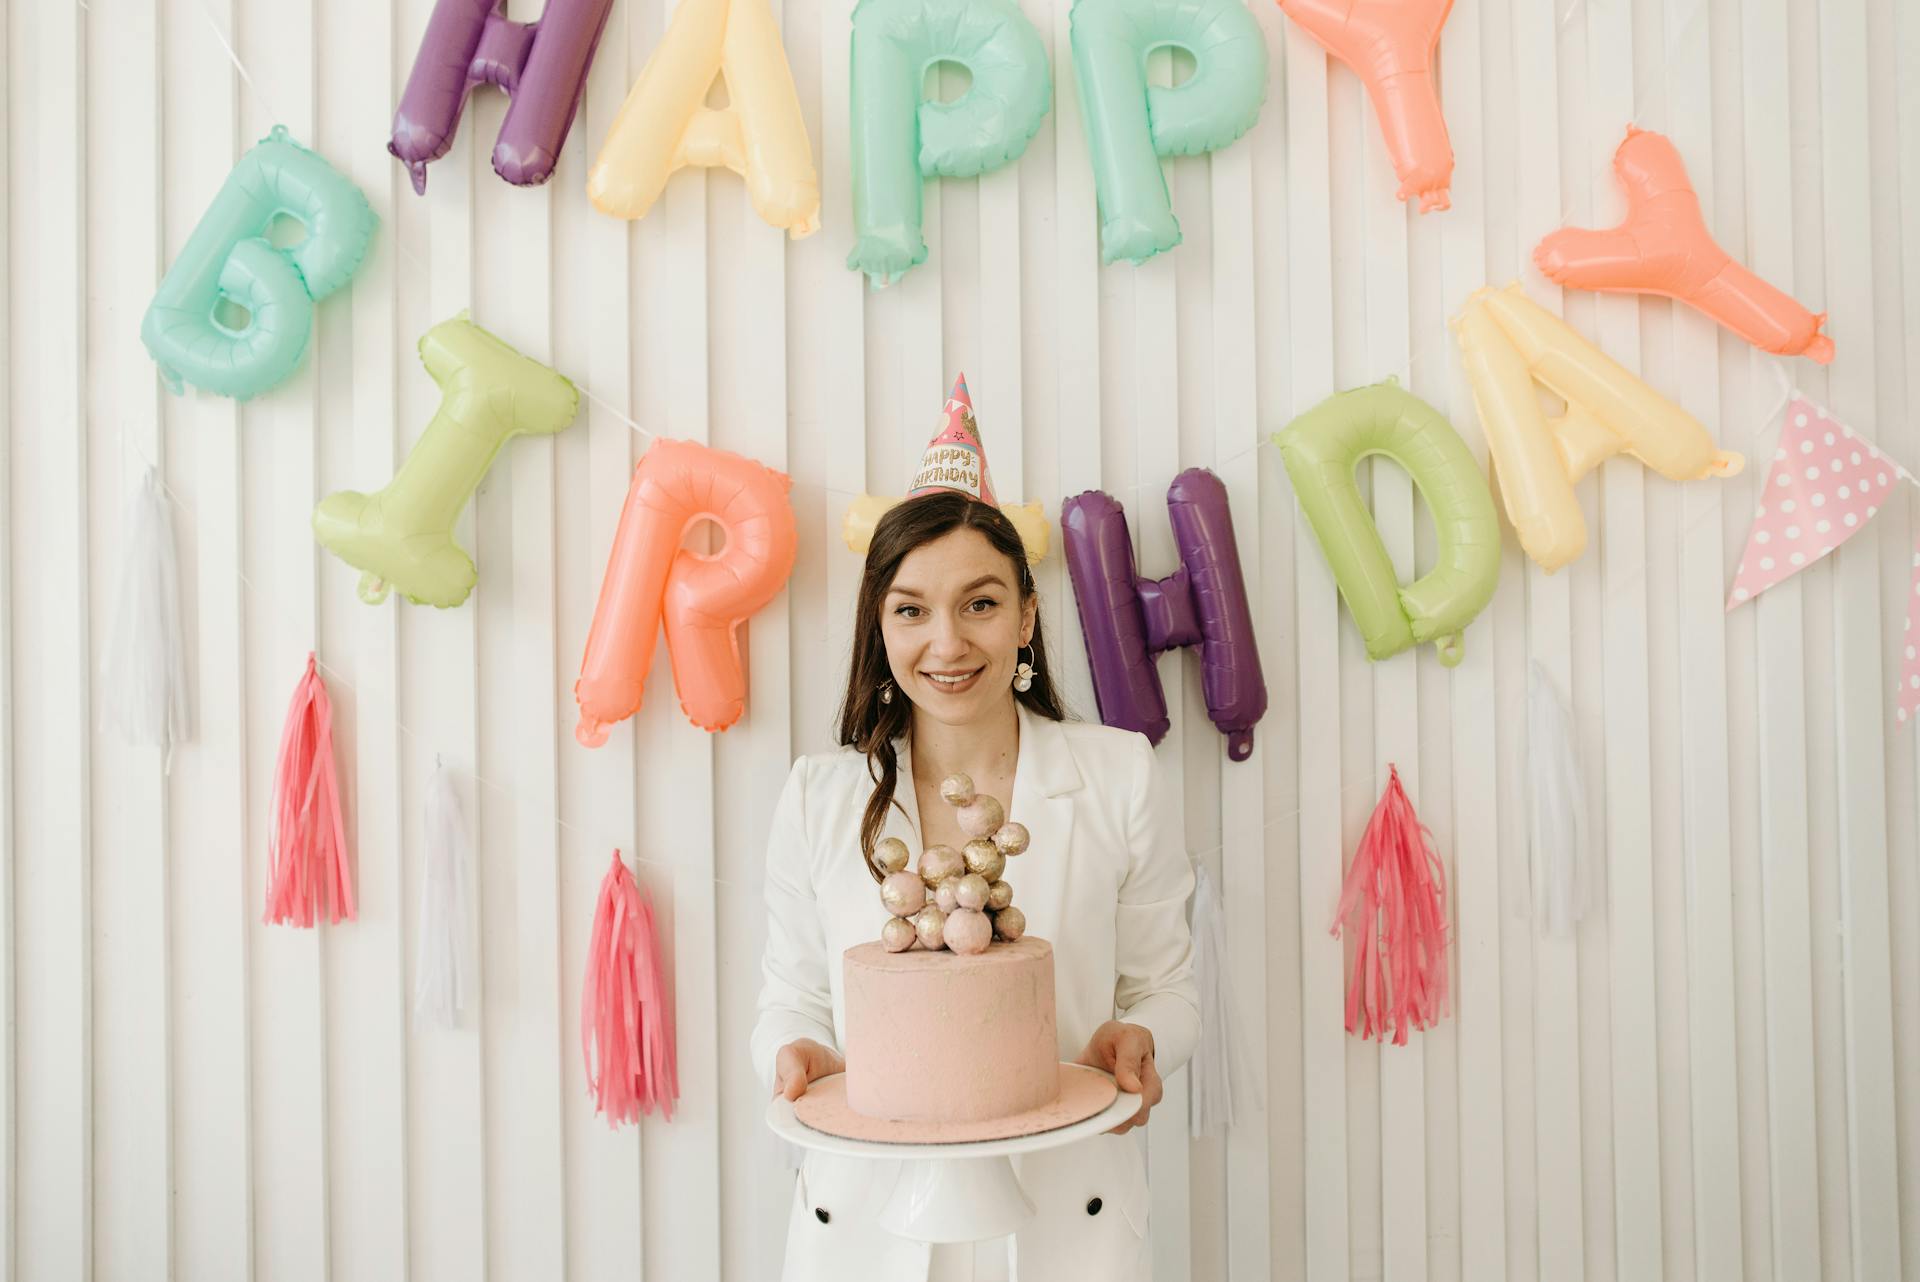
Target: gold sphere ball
[971,890]
[898,935]
[957,789]
[891,854]
[999,895]
[1012,838]
[937,863]
[1009,923]
[930,925]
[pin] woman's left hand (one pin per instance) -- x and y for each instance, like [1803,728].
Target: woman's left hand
[1126,1051]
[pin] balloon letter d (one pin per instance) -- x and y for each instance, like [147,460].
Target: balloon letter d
[402,537]
[705,597]
[1128,620]
[1321,449]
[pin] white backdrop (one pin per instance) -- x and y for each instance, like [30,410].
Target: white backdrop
[1720,1077]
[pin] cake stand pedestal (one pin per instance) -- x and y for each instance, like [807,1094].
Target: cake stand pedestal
[952,1192]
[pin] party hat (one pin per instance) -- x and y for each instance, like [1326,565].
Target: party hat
[955,459]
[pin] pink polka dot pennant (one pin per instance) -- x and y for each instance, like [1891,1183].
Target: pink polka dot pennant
[1825,485]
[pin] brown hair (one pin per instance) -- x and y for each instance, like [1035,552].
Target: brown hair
[871,725]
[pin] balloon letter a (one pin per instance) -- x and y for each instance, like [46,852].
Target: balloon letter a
[705,598]
[664,125]
[402,536]
[1509,343]
[1128,620]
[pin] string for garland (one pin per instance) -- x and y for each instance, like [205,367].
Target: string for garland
[626,1026]
[1398,889]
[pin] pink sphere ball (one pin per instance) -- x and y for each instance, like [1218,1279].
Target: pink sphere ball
[969,931]
[937,863]
[982,817]
[947,898]
[903,893]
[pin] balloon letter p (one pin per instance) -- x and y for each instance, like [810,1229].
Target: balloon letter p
[1128,620]
[229,256]
[1130,124]
[899,140]
[705,597]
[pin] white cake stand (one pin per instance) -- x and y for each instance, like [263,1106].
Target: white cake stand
[951,1192]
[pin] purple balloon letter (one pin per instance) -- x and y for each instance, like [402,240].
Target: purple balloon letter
[541,66]
[1128,620]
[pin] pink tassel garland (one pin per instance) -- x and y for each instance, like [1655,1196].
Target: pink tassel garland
[1400,944]
[309,870]
[624,1007]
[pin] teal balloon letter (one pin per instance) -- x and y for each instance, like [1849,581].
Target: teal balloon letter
[1321,449]
[1130,124]
[228,256]
[899,139]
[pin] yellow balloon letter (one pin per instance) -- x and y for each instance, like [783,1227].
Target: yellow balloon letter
[1509,343]
[665,124]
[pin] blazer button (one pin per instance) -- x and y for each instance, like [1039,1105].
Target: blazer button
[820,1214]
[1093,1207]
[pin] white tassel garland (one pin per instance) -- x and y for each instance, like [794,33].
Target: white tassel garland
[1216,1060]
[442,971]
[1558,833]
[143,674]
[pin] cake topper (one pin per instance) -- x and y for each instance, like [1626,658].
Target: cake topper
[957,899]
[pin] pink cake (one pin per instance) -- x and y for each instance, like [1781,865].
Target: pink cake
[942,1037]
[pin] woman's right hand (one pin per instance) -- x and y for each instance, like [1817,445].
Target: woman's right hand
[802,1061]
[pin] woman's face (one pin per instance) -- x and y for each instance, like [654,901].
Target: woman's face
[953,623]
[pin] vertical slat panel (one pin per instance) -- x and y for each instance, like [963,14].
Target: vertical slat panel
[682,1157]
[1154,382]
[751,398]
[1317,626]
[1859,693]
[441,649]
[1556,1024]
[1712,1099]
[1904,764]
[289,1032]
[53,825]
[521,878]
[368,966]
[211,903]
[1628,906]
[1780,691]
[603,1226]
[1475,865]
[132,1140]
[1244,838]
[9,525]
[1396,727]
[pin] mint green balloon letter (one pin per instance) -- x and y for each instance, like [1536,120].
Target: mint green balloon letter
[1321,449]
[1130,124]
[899,139]
[229,256]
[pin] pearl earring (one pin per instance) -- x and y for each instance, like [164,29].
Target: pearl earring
[1023,673]
[886,692]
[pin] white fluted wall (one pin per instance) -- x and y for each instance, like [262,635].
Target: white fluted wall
[1719,1078]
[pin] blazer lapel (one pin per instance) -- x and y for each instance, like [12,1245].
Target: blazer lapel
[1044,782]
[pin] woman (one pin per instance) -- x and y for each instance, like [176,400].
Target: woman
[947,609]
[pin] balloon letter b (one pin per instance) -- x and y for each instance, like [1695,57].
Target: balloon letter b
[541,65]
[705,598]
[228,256]
[898,139]
[664,125]
[402,536]
[1321,449]
[1128,620]
[1130,124]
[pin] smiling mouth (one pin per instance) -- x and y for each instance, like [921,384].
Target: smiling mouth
[951,683]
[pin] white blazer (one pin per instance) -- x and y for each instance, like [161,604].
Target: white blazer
[1105,881]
